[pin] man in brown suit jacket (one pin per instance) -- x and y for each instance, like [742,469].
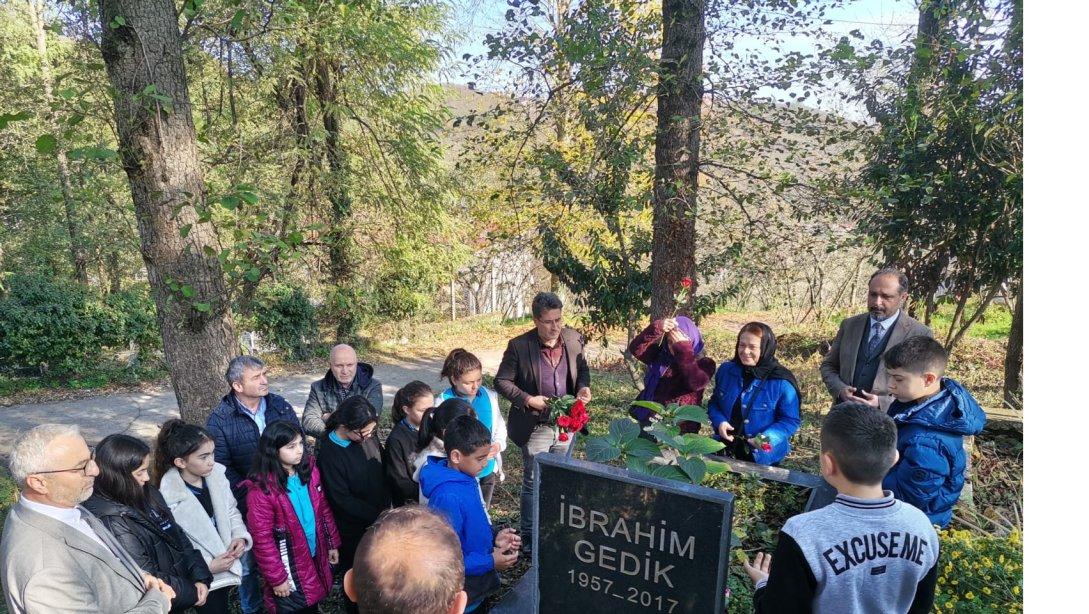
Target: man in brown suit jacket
[853,370]
[542,363]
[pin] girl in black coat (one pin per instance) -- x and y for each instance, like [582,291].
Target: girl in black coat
[409,406]
[350,460]
[135,512]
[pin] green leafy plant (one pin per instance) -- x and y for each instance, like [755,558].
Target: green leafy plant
[47,323]
[669,455]
[284,314]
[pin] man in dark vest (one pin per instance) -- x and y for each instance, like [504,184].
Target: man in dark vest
[853,370]
[540,364]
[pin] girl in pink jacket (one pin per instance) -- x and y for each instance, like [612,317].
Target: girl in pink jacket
[295,538]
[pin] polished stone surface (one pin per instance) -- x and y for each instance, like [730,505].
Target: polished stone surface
[616,541]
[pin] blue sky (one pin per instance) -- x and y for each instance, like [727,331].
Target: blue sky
[890,20]
[477,18]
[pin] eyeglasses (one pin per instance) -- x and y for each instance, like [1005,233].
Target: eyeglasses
[82,468]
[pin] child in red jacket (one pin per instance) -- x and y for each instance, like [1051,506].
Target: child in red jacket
[295,538]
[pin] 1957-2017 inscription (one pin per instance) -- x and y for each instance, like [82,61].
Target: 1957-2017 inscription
[633,594]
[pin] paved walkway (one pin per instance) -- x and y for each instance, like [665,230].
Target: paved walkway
[141,413]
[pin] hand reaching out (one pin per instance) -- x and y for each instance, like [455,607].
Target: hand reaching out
[724,431]
[508,539]
[760,568]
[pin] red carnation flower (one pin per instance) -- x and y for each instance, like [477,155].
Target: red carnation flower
[686,282]
[563,437]
[766,447]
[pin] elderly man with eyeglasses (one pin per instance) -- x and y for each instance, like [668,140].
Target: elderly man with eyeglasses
[55,556]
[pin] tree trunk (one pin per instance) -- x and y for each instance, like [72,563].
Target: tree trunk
[75,243]
[141,47]
[1013,382]
[341,271]
[676,153]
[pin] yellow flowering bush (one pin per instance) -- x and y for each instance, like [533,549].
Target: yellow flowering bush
[979,573]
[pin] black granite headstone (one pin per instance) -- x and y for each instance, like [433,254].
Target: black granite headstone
[615,541]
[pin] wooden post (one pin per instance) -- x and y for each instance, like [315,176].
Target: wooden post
[453,302]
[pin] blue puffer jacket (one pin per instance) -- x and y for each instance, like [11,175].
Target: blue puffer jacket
[930,439]
[456,496]
[774,411]
[236,434]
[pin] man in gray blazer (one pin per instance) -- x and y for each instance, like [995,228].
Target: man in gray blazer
[853,370]
[55,556]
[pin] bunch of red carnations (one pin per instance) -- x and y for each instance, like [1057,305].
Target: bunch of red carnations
[569,415]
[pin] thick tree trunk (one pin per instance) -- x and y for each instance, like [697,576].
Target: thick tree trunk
[76,249]
[141,46]
[341,271]
[1013,382]
[676,152]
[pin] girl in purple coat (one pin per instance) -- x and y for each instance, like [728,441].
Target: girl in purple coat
[295,538]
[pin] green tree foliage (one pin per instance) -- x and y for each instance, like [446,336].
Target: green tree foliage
[33,230]
[946,167]
[50,324]
[577,160]
[593,174]
[285,316]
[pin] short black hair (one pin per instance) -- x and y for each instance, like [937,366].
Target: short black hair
[901,279]
[862,440]
[466,434]
[545,301]
[918,355]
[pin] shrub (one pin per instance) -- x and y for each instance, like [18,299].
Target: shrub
[48,322]
[285,316]
[132,313]
[979,573]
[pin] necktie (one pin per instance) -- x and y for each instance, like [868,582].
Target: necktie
[875,341]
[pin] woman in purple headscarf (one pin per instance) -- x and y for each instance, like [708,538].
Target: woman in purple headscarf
[675,371]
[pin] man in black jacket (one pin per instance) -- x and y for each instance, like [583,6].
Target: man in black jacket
[540,364]
[346,377]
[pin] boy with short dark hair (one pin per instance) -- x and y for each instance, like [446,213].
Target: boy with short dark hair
[451,488]
[866,551]
[932,414]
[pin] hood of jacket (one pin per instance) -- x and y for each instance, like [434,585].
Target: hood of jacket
[437,475]
[952,410]
[364,373]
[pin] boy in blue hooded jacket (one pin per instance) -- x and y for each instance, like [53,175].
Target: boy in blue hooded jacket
[932,414]
[451,488]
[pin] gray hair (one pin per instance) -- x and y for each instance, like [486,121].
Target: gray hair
[900,277]
[545,301]
[29,456]
[238,366]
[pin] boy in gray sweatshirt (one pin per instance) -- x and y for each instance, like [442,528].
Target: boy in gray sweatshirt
[866,552]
